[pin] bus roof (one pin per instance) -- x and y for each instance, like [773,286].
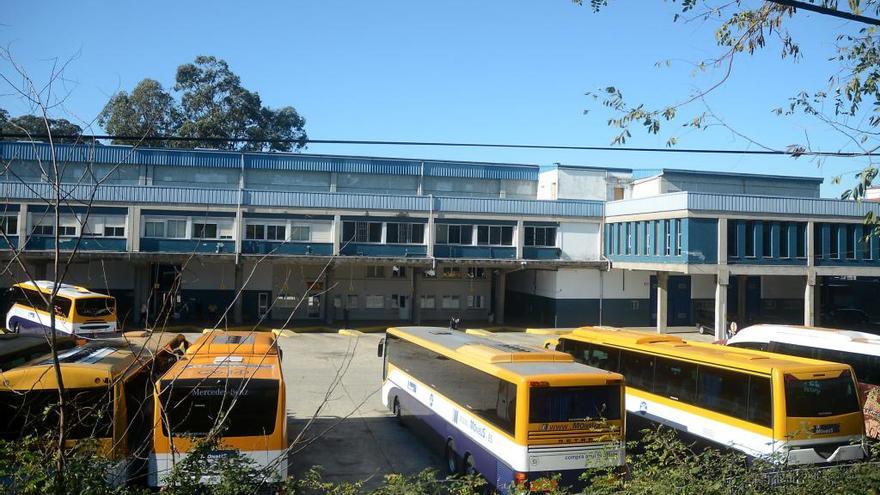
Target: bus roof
[94,364]
[765,331]
[202,366]
[221,342]
[14,343]
[515,359]
[712,354]
[65,290]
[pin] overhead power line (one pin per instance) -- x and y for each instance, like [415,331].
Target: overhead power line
[446,144]
[828,11]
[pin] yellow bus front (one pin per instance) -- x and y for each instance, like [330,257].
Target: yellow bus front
[91,315]
[817,415]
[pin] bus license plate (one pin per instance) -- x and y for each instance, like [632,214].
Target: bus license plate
[825,429]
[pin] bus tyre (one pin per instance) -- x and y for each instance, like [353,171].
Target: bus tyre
[395,410]
[14,328]
[452,464]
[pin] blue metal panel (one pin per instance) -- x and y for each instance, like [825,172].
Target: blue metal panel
[412,251]
[340,164]
[290,248]
[824,231]
[13,239]
[701,238]
[67,208]
[775,239]
[481,171]
[46,243]
[186,246]
[9,208]
[541,253]
[188,213]
[474,252]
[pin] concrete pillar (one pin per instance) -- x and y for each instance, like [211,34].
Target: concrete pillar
[237,306]
[336,234]
[133,232]
[520,239]
[810,300]
[721,304]
[430,236]
[238,234]
[500,289]
[662,284]
[22,225]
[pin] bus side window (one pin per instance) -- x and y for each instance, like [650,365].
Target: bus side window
[638,369]
[760,408]
[606,358]
[505,407]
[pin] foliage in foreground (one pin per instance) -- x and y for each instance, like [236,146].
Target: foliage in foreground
[662,464]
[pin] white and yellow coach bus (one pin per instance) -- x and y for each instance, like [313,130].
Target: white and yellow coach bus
[231,380]
[108,388]
[510,413]
[787,409]
[78,311]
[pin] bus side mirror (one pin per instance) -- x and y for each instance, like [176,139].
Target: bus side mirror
[380,350]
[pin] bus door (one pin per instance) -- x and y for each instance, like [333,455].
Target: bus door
[403,307]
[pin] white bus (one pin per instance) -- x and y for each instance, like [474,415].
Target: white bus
[78,311]
[857,349]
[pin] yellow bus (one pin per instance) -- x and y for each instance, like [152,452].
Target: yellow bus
[231,380]
[78,311]
[510,413]
[784,408]
[108,387]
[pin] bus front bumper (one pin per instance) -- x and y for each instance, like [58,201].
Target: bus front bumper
[843,453]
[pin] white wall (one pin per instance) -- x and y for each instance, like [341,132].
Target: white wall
[648,187]
[702,286]
[547,182]
[626,284]
[581,283]
[582,184]
[579,240]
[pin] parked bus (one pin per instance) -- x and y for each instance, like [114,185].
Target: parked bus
[787,409]
[16,349]
[857,349]
[510,413]
[108,386]
[231,380]
[78,311]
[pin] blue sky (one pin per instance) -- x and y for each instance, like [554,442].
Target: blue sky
[489,71]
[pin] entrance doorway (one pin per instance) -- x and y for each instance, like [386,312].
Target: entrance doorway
[263,299]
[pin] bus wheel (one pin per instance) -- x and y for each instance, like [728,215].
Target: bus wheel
[14,328]
[470,467]
[395,410]
[452,464]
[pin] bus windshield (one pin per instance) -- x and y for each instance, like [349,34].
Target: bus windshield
[825,397]
[193,406]
[95,306]
[565,404]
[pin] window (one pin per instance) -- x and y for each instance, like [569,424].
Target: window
[427,302]
[493,235]
[676,380]
[637,238]
[476,302]
[540,236]
[723,391]
[214,399]
[67,230]
[114,231]
[176,229]
[865,244]
[629,237]
[667,243]
[362,232]
[850,242]
[404,233]
[488,397]
[204,230]
[352,301]
[455,234]
[732,244]
[475,272]
[825,397]
[656,237]
[375,302]
[767,239]
[298,233]
[451,302]
[565,404]
[451,272]
[255,232]
[679,235]
[154,229]
[43,230]
[398,272]
[783,240]
[836,232]
[801,239]
[750,239]
[638,369]
[9,225]
[375,272]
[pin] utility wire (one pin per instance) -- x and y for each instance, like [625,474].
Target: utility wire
[91,137]
[828,11]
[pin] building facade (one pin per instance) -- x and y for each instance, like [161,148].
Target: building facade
[207,235]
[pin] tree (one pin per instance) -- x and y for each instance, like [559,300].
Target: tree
[848,103]
[37,125]
[147,112]
[212,104]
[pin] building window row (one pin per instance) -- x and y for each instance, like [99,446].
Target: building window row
[844,241]
[761,239]
[645,238]
[540,236]
[188,228]
[374,232]
[277,232]
[9,225]
[43,224]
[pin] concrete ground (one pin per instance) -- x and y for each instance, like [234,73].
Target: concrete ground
[353,437]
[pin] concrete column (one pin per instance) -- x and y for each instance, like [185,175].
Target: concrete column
[811,244]
[133,230]
[237,316]
[810,300]
[333,178]
[662,284]
[520,239]
[721,304]
[336,234]
[22,226]
[238,234]
[500,289]
[430,236]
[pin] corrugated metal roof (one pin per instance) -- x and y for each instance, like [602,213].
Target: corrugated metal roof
[265,161]
[291,199]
